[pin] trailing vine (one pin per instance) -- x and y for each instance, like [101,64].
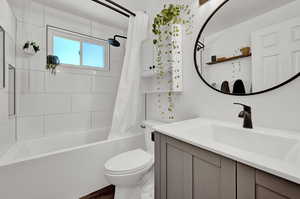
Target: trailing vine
[167,28]
[171,14]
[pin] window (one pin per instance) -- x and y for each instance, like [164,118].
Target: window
[77,50]
[90,55]
[67,50]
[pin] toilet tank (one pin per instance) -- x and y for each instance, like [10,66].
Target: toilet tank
[148,129]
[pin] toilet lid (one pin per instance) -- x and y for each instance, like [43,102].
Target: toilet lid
[129,162]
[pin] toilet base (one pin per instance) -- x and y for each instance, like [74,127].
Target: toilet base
[145,189]
[128,192]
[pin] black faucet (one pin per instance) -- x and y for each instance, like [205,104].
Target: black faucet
[247,115]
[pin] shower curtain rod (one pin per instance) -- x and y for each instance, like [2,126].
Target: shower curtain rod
[125,11]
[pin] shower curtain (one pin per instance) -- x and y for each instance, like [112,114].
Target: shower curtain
[127,105]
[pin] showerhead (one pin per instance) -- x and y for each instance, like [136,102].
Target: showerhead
[115,42]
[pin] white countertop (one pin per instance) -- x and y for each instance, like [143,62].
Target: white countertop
[274,151]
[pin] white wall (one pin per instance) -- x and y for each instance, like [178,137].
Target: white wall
[276,109]
[7,124]
[73,99]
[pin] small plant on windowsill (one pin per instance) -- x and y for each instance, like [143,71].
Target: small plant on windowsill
[52,63]
[31,48]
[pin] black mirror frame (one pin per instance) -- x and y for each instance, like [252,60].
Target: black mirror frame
[199,46]
[4,57]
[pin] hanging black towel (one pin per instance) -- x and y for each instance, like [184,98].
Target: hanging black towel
[239,87]
[225,87]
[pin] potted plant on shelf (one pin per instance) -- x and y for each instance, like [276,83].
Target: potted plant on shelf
[31,48]
[52,63]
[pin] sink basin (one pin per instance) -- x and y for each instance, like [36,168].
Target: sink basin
[270,150]
[263,142]
[252,141]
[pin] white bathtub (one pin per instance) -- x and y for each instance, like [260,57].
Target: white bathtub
[61,167]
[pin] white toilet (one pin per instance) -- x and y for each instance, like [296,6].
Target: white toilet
[127,170]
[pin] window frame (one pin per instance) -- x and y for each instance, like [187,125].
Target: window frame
[81,38]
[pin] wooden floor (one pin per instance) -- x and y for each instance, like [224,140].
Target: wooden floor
[104,197]
[105,193]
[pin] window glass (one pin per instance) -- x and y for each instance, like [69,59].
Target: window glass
[77,50]
[67,50]
[93,55]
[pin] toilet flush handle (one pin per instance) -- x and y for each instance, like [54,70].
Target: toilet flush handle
[153,136]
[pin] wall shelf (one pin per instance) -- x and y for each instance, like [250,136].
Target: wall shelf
[163,91]
[229,59]
[154,72]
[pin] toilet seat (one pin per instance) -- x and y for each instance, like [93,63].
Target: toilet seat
[129,162]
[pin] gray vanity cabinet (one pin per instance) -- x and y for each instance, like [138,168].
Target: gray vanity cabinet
[183,171]
[255,184]
[187,172]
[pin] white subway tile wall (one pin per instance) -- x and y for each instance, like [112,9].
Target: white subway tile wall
[100,119]
[7,124]
[55,124]
[72,100]
[30,127]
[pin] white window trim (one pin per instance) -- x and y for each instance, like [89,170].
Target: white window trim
[54,31]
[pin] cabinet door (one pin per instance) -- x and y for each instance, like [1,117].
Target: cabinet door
[173,171]
[245,182]
[270,186]
[255,184]
[263,193]
[147,54]
[212,181]
[187,172]
[179,174]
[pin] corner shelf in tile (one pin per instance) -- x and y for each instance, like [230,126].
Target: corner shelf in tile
[153,73]
[163,91]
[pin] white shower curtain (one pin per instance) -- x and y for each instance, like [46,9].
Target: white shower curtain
[127,106]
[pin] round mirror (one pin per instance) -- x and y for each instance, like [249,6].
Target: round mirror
[250,47]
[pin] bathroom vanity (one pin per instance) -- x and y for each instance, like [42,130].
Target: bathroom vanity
[206,159]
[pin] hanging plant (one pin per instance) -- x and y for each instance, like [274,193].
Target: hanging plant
[31,47]
[170,15]
[167,28]
[52,63]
